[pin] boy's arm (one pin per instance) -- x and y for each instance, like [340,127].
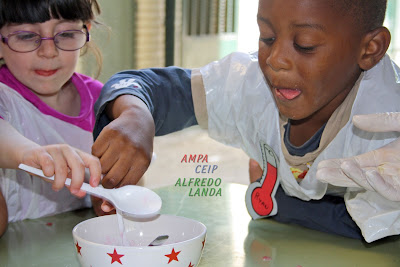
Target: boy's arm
[132,108]
[165,91]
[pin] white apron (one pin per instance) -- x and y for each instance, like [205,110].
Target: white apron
[27,196]
[242,113]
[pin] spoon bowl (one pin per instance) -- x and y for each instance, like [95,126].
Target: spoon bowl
[131,200]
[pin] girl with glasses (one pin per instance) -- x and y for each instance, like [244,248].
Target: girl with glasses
[46,108]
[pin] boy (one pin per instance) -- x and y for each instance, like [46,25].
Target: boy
[319,62]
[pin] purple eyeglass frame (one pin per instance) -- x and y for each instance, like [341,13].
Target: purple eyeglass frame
[5,39]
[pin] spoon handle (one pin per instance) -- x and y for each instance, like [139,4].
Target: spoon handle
[96,191]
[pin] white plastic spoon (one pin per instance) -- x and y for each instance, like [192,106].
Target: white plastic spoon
[131,200]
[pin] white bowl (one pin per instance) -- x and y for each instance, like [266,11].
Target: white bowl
[98,242]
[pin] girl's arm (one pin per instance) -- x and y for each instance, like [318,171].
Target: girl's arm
[12,146]
[60,160]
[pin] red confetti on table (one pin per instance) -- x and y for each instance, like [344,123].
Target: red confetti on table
[266,258]
[49,224]
[173,256]
[115,257]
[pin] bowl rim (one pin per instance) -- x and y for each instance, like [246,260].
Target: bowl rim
[76,236]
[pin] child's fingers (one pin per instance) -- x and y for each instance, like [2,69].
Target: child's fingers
[80,194]
[255,171]
[127,170]
[60,167]
[117,173]
[93,163]
[107,207]
[76,166]
[67,163]
[102,143]
[46,163]
[41,159]
[110,157]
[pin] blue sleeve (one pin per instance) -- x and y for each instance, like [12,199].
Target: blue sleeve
[328,214]
[166,92]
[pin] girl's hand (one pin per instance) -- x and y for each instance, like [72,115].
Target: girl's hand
[60,160]
[64,161]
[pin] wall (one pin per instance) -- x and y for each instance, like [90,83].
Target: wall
[115,39]
[133,37]
[150,49]
[393,23]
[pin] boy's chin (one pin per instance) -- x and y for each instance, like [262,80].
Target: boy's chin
[291,114]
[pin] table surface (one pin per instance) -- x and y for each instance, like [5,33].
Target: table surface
[233,239]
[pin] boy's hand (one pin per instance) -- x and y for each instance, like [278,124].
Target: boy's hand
[377,170]
[102,207]
[125,146]
[255,171]
[63,161]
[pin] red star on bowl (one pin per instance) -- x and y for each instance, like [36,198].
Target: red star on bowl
[173,256]
[190,265]
[115,257]
[78,248]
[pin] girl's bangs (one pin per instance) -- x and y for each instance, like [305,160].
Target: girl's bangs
[33,11]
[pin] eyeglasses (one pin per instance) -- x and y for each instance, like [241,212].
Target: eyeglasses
[24,41]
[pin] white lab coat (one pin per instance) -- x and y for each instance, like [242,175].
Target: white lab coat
[242,113]
[28,196]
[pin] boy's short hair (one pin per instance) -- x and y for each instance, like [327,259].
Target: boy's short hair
[38,11]
[368,14]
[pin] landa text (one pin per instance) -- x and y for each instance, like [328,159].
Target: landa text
[201,186]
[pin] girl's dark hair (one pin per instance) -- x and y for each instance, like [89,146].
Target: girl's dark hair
[39,11]
[34,11]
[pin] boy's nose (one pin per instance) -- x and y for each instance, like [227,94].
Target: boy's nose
[278,58]
[47,49]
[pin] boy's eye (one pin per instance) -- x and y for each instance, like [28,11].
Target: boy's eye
[268,41]
[304,49]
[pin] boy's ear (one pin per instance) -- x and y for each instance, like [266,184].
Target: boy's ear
[374,46]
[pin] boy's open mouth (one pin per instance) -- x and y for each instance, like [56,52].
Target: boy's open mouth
[287,94]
